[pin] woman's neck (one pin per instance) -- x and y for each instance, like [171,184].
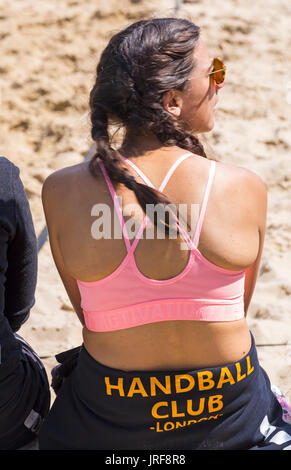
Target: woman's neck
[139,143]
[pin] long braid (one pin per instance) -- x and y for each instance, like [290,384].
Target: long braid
[118,172]
[136,68]
[171,132]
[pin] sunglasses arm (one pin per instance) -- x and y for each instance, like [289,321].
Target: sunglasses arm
[210,73]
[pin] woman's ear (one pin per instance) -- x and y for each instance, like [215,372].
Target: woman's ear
[172,102]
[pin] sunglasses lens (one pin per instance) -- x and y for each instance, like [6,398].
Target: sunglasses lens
[219,71]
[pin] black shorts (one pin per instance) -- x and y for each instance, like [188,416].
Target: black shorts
[227,407]
[24,390]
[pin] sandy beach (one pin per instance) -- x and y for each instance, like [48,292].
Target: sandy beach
[49,51]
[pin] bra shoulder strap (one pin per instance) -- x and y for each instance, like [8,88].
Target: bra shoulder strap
[204,203]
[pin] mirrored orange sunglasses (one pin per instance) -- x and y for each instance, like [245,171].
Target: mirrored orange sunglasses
[218,72]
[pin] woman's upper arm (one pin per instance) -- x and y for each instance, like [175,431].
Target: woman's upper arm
[52,190]
[260,201]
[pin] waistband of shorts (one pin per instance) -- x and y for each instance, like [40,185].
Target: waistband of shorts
[89,371]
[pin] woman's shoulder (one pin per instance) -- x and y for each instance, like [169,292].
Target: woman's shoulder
[232,181]
[68,173]
[229,174]
[62,183]
[244,179]
[241,187]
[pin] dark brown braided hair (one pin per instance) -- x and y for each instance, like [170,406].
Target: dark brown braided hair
[140,64]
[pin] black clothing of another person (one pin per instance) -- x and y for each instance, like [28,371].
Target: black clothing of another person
[24,388]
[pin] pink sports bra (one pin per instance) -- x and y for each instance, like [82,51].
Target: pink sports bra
[126,298]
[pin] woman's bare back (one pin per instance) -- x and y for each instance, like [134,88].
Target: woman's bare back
[231,237]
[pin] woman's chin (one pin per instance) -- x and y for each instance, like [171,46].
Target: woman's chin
[207,127]
[210,126]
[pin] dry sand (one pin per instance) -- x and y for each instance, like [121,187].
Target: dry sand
[49,50]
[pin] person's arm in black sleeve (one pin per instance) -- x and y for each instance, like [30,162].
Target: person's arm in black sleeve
[21,275]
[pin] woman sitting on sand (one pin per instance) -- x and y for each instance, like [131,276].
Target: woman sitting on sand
[24,388]
[168,361]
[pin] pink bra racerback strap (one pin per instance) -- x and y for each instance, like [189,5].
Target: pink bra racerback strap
[173,168]
[163,184]
[141,174]
[188,240]
[168,175]
[131,247]
[204,204]
[116,204]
